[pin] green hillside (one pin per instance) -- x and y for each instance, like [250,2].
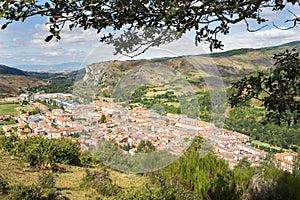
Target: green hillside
[229,66]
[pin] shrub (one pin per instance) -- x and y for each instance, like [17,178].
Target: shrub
[46,180]
[25,192]
[3,186]
[44,189]
[42,152]
[101,182]
[86,159]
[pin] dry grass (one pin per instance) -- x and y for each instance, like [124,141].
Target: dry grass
[16,171]
[152,94]
[68,182]
[12,83]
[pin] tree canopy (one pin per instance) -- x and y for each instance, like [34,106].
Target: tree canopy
[169,18]
[278,89]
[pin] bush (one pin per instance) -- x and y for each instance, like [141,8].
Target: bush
[158,191]
[43,152]
[25,192]
[3,186]
[86,159]
[44,189]
[101,182]
[46,180]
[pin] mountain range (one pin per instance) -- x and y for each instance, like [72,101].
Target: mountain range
[4,70]
[14,80]
[230,66]
[197,70]
[69,66]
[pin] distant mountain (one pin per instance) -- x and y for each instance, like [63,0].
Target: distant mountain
[13,80]
[70,66]
[243,51]
[5,70]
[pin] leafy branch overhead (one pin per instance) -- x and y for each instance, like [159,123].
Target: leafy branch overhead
[278,89]
[209,19]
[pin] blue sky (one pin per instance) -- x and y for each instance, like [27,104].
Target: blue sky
[23,43]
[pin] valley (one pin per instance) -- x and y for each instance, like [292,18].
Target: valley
[173,110]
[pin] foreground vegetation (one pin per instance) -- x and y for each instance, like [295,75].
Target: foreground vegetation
[192,176]
[59,165]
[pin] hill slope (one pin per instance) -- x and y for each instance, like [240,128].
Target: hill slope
[5,70]
[229,66]
[13,80]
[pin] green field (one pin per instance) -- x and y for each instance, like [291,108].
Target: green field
[26,108]
[263,144]
[7,122]
[152,94]
[9,108]
[12,108]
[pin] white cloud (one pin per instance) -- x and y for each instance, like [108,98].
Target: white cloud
[276,33]
[3,45]
[84,46]
[51,53]
[76,36]
[6,56]
[271,37]
[32,60]
[74,51]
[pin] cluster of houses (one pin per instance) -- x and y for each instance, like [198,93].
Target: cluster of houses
[172,132]
[128,127]
[49,124]
[233,147]
[54,124]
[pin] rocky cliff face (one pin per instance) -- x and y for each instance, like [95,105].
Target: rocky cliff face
[102,78]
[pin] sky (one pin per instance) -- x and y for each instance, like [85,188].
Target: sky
[22,43]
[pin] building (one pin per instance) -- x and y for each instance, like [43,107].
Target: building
[285,161]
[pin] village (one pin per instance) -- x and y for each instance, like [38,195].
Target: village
[99,121]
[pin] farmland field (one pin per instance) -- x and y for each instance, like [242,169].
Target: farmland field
[9,108]
[263,144]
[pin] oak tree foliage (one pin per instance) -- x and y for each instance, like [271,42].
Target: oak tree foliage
[146,23]
[277,89]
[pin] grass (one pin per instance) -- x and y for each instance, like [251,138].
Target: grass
[9,108]
[12,108]
[7,122]
[175,104]
[26,108]
[263,144]
[68,182]
[152,94]
[16,171]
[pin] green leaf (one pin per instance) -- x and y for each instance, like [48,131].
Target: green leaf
[48,38]
[4,26]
